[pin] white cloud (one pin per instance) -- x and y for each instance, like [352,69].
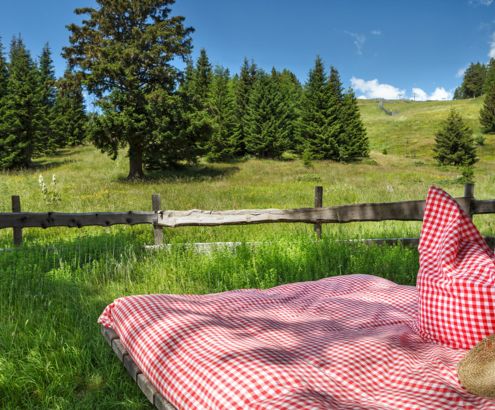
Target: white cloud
[460,72]
[373,89]
[419,94]
[440,94]
[359,40]
[491,53]
[481,2]
[376,32]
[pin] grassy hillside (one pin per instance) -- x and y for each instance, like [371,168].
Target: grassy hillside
[54,288]
[410,131]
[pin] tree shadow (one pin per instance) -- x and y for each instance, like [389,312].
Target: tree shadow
[47,164]
[194,173]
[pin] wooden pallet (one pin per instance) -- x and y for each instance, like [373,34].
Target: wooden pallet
[141,380]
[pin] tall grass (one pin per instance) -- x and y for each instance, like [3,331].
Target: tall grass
[51,352]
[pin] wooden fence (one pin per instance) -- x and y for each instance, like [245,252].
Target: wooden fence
[318,215]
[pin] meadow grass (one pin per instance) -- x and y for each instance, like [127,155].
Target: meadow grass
[53,289]
[51,353]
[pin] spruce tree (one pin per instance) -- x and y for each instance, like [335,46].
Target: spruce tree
[19,112]
[70,119]
[319,131]
[474,78]
[458,93]
[355,143]
[490,77]
[183,126]
[46,139]
[487,112]
[335,128]
[454,143]
[244,86]
[221,107]
[291,90]
[4,73]
[266,126]
[202,79]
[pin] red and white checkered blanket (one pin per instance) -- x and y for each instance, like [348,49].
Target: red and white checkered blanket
[345,342]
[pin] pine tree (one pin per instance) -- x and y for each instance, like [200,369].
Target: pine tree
[335,128]
[4,73]
[454,143]
[244,86]
[291,90]
[46,140]
[490,77]
[458,94]
[267,131]
[356,141]
[487,112]
[319,126]
[20,110]
[474,78]
[202,79]
[183,126]
[70,119]
[221,108]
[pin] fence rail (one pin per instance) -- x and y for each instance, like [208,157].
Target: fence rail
[398,211]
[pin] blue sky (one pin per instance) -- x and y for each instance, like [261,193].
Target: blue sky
[383,48]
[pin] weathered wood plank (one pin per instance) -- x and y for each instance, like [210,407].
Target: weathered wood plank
[73,220]
[400,211]
[109,334]
[146,387]
[484,206]
[162,404]
[131,367]
[119,349]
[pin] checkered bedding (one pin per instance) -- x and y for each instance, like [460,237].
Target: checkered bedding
[345,342]
[456,279]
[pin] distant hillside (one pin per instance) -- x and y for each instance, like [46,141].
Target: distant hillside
[411,130]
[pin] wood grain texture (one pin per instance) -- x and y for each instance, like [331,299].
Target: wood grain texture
[399,211]
[73,220]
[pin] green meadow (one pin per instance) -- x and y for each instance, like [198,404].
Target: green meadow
[53,289]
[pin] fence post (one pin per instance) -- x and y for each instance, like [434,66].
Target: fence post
[318,204]
[16,207]
[469,197]
[157,230]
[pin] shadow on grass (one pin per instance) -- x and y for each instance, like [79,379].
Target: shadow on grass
[195,173]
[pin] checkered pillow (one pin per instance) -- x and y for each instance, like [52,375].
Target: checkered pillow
[456,276]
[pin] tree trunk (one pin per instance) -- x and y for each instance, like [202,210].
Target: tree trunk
[135,161]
